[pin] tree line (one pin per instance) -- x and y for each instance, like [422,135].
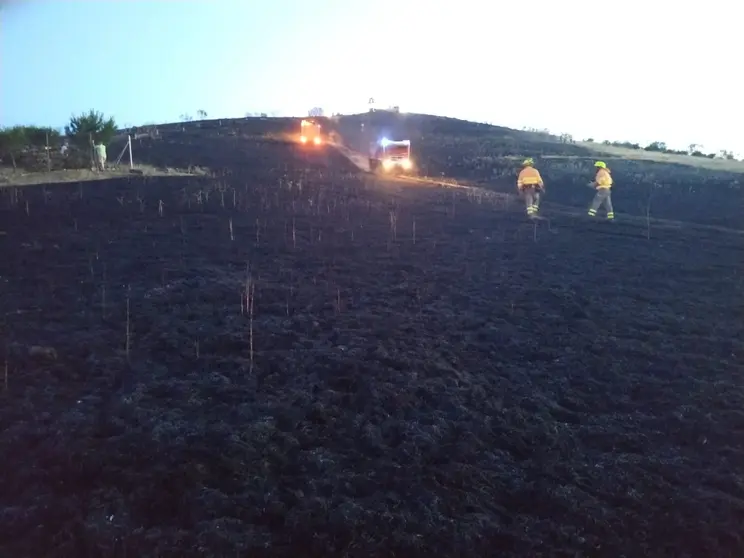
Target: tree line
[24,142]
[693,150]
[31,142]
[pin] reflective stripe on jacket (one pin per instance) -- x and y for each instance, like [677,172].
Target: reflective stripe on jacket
[529,176]
[603,179]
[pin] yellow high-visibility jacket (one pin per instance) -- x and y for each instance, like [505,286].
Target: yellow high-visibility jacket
[603,179]
[529,176]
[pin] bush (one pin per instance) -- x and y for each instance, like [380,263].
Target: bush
[626,144]
[12,142]
[658,146]
[92,126]
[38,136]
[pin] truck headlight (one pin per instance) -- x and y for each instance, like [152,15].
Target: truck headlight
[406,164]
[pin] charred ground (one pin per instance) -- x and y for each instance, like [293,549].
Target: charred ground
[489,156]
[422,372]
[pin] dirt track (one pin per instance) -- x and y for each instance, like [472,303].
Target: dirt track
[431,376]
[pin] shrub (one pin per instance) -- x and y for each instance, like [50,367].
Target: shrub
[85,127]
[22,144]
[656,146]
[626,144]
[39,136]
[12,142]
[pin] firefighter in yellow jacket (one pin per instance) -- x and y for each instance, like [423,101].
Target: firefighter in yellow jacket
[602,183]
[530,185]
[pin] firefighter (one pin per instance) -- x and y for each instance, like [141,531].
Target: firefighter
[100,151]
[530,185]
[602,183]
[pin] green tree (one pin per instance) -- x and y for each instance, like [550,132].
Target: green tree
[92,125]
[12,141]
[38,136]
[656,146]
[725,154]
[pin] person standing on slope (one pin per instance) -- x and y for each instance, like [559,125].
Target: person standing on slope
[603,185]
[100,151]
[530,185]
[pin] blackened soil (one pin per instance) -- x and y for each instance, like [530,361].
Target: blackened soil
[422,374]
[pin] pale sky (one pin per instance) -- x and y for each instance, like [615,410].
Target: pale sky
[633,70]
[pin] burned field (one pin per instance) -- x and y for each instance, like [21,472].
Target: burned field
[292,359]
[490,155]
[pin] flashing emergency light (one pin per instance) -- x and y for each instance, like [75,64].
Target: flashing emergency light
[384,142]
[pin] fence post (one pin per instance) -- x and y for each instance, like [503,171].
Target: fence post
[129,143]
[48,154]
[92,152]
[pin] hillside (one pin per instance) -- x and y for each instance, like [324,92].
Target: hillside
[289,357]
[489,156]
[696,190]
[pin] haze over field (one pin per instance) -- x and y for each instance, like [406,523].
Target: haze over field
[636,71]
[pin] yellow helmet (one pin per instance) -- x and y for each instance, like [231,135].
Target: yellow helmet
[600,164]
[528,162]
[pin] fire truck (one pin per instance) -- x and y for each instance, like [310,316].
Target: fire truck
[390,155]
[310,132]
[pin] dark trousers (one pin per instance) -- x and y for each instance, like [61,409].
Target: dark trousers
[531,196]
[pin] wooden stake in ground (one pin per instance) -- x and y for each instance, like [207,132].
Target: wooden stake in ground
[128,328]
[250,290]
[648,213]
[103,292]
